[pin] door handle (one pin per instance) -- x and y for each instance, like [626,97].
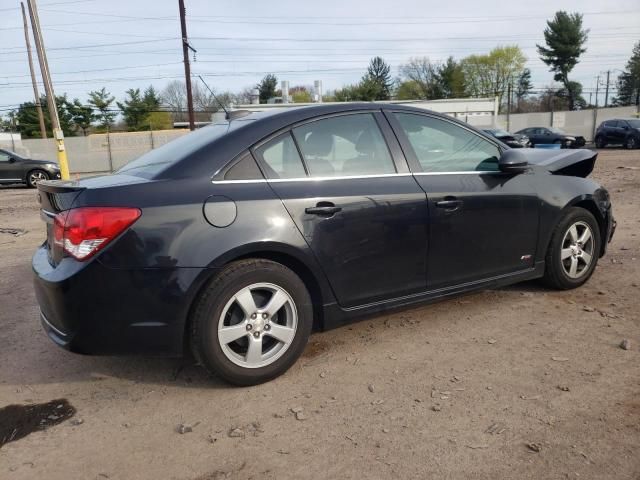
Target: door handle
[450,204]
[325,209]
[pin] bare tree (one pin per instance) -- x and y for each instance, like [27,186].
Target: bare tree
[174,96]
[424,76]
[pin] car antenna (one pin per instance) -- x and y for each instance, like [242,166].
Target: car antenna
[227,115]
[214,96]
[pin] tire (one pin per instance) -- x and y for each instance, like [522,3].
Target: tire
[35,176]
[631,143]
[558,270]
[600,143]
[223,306]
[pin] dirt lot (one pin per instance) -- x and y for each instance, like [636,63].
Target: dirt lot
[458,389]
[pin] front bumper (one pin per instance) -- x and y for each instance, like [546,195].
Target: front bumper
[89,308]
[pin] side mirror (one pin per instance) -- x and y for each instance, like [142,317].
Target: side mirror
[513,161]
[12,160]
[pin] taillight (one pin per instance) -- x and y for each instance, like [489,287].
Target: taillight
[82,232]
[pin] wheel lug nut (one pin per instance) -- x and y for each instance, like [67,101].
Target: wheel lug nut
[265,315]
[256,334]
[249,326]
[253,315]
[267,327]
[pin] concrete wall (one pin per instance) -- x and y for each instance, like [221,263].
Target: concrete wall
[97,153]
[583,122]
[104,153]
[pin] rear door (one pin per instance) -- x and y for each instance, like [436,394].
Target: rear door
[611,131]
[346,185]
[482,222]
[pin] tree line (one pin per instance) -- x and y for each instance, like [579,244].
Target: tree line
[499,73]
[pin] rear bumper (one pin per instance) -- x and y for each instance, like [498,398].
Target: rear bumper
[92,309]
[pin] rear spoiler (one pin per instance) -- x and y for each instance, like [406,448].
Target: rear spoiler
[57,195]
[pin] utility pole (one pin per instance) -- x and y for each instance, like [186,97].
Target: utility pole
[187,68]
[48,88]
[606,94]
[36,94]
[595,110]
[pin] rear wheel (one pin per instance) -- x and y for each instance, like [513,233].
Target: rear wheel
[35,176]
[631,143]
[252,322]
[573,251]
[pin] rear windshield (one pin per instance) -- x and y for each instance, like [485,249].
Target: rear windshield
[159,159]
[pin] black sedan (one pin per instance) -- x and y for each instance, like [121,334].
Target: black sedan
[15,168]
[237,240]
[551,135]
[514,140]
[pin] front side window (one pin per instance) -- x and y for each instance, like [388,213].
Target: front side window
[4,157]
[344,145]
[442,146]
[280,158]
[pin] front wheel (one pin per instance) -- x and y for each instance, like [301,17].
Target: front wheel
[35,176]
[631,143]
[574,249]
[600,143]
[252,322]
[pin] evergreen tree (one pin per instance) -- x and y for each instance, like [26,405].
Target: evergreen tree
[565,39]
[629,81]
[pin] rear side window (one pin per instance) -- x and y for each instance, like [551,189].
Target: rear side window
[344,145]
[244,169]
[442,146]
[280,158]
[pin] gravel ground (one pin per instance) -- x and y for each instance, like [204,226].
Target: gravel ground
[520,382]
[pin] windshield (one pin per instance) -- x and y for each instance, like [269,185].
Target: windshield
[634,123]
[501,133]
[159,159]
[556,130]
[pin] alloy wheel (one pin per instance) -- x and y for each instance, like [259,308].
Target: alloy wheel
[631,143]
[257,325]
[577,250]
[35,177]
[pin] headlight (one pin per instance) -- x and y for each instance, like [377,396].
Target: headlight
[570,139]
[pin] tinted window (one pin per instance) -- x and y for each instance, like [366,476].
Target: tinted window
[344,145]
[4,157]
[280,158]
[634,123]
[441,146]
[159,159]
[244,169]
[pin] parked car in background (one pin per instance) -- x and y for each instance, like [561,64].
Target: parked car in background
[514,140]
[549,135]
[619,131]
[18,169]
[236,240]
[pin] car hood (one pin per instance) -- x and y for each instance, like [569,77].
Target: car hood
[575,163]
[40,162]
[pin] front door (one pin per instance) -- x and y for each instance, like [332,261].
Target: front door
[361,213]
[482,222]
[8,169]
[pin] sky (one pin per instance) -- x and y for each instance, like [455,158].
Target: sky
[121,44]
